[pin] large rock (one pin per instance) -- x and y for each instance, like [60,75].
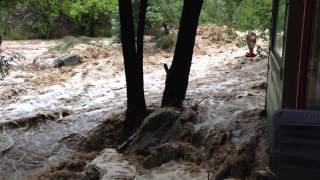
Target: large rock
[155,130]
[109,165]
[5,143]
[162,126]
[165,135]
[51,60]
[68,60]
[45,61]
[173,151]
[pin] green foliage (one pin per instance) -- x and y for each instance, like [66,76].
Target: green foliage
[46,12]
[15,34]
[6,6]
[2,21]
[158,13]
[165,42]
[89,17]
[239,14]
[100,17]
[254,15]
[221,12]
[88,13]
[164,12]
[69,42]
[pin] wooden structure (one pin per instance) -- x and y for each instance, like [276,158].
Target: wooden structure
[294,62]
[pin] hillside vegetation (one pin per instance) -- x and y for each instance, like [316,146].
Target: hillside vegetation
[30,19]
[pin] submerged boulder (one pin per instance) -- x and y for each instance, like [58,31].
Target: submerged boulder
[5,143]
[52,60]
[160,135]
[109,164]
[165,135]
[67,60]
[156,129]
[172,151]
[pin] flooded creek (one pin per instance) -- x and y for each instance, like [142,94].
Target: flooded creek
[61,105]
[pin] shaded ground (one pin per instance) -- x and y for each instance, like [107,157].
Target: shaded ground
[226,89]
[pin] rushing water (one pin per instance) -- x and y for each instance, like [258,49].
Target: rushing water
[93,90]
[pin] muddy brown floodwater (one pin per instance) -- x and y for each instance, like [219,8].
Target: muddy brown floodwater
[45,112]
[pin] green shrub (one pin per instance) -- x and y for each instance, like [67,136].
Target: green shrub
[165,42]
[69,42]
[164,12]
[15,34]
[239,14]
[89,14]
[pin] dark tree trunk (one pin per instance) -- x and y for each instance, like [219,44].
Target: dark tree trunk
[166,29]
[178,74]
[92,28]
[136,106]
[140,33]
[92,22]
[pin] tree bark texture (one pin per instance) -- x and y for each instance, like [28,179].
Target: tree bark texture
[178,74]
[136,106]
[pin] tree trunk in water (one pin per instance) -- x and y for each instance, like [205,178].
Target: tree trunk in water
[178,74]
[136,106]
[140,33]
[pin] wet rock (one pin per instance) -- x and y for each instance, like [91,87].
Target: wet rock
[163,154]
[52,60]
[172,151]
[198,137]
[235,166]
[106,134]
[45,61]
[188,115]
[71,141]
[110,165]
[159,127]
[91,173]
[5,143]
[67,60]
[165,135]
[72,168]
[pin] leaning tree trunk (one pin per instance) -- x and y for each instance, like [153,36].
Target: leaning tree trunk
[136,106]
[178,74]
